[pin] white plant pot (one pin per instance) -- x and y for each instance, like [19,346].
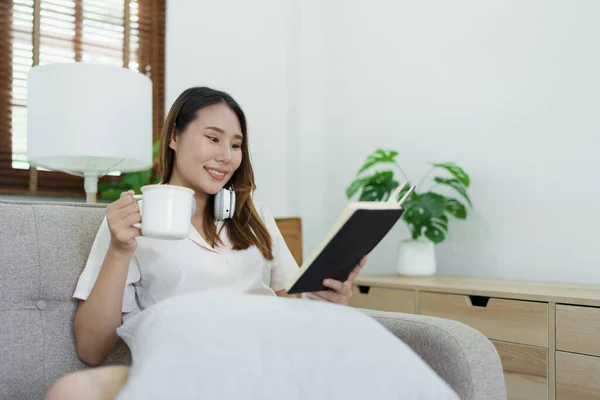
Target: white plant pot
[416,258]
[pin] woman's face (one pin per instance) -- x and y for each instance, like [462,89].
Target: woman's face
[209,151]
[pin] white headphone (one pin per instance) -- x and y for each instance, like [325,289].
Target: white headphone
[224,204]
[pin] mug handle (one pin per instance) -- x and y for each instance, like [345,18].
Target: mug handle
[137,224]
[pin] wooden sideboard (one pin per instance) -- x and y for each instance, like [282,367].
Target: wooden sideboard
[547,334]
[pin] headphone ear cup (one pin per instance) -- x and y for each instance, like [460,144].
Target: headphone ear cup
[226,204]
[218,207]
[233,199]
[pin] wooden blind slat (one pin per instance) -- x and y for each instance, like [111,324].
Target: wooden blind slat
[19,153]
[128,33]
[78,30]
[158,63]
[5,92]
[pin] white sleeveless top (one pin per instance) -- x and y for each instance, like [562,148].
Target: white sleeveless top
[160,269]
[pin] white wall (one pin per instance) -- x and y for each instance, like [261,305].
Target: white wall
[510,91]
[507,89]
[240,47]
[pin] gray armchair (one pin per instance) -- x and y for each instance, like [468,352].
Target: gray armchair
[43,248]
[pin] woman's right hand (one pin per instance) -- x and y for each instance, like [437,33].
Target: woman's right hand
[121,215]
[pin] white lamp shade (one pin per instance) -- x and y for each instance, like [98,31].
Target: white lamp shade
[93,118]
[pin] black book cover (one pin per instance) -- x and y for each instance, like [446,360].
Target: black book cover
[359,234]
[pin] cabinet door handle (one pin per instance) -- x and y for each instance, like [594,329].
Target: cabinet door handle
[364,289]
[479,301]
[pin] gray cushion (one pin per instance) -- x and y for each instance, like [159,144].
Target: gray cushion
[43,249]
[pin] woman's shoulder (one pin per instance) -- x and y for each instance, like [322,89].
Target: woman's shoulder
[261,208]
[265,214]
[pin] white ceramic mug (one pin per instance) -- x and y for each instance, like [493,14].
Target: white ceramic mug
[166,211]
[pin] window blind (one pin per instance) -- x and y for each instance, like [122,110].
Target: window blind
[126,33]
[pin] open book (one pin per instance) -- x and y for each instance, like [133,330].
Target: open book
[358,229]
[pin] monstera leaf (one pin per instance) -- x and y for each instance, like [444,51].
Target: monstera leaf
[376,187]
[456,208]
[456,185]
[425,215]
[457,172]
[378,157]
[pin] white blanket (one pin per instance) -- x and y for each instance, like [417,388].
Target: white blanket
[218,346]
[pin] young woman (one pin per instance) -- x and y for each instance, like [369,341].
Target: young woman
[204,146]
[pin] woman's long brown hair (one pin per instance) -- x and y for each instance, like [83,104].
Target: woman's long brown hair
[245,228]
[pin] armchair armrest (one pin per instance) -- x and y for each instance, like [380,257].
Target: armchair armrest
[461,355]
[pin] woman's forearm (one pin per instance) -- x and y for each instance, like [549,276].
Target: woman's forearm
[98,317]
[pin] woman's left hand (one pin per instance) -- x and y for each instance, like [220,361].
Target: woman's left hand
[340,292]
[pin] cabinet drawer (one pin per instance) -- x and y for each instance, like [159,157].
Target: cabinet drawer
[525,371]
[577,329]
[524,322]
[383,299]
[577,376]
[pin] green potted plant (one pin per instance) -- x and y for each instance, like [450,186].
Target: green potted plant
[427,212]
[111,190]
